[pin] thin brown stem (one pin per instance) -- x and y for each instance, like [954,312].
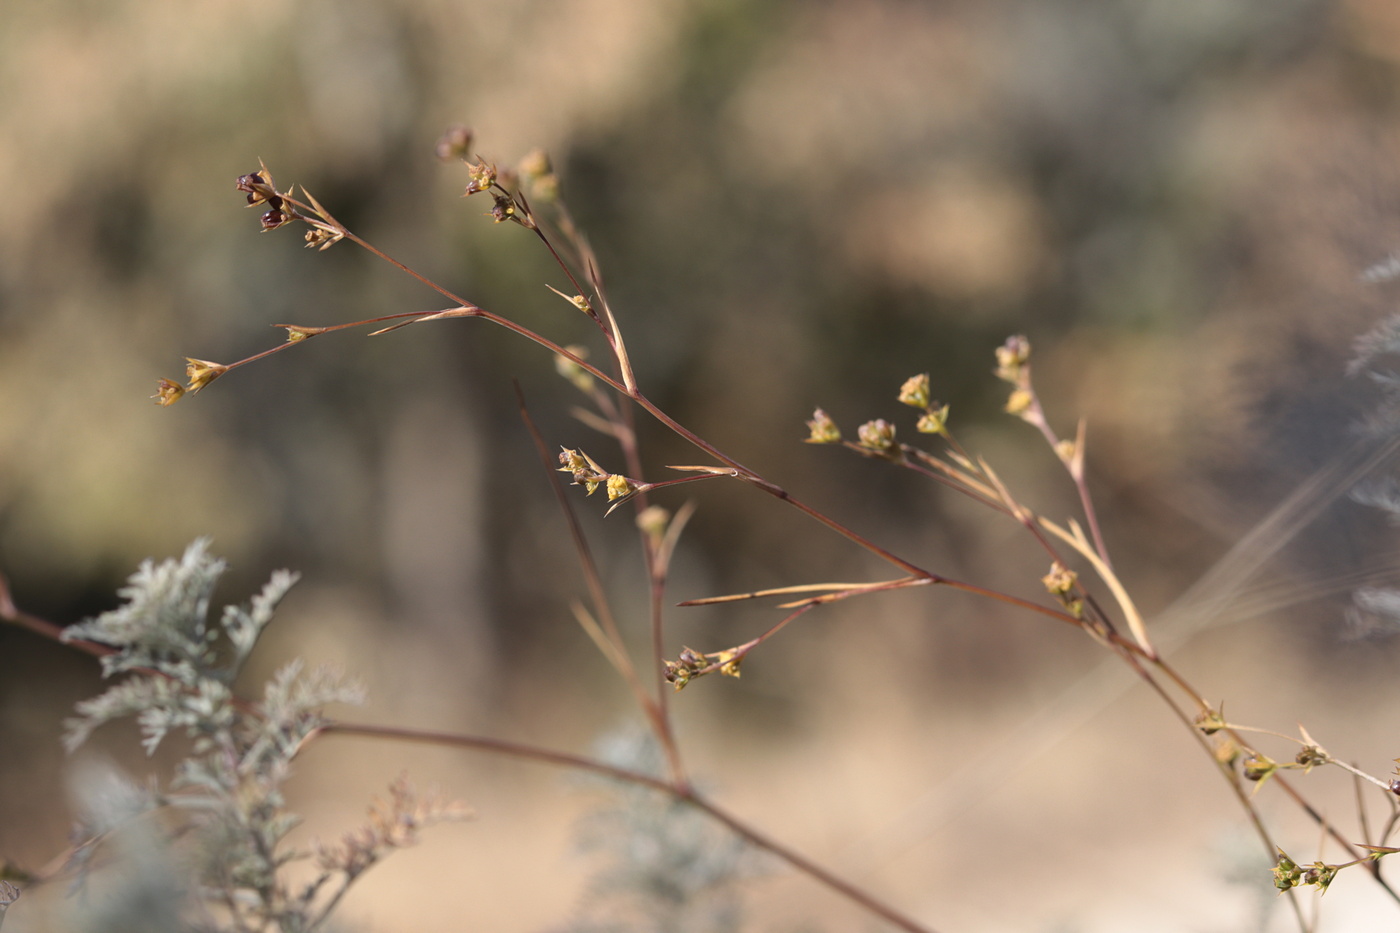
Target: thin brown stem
[1278,779]
[853,893]
[592,579]
[741,651]
[675,426]
[496,746]
[1132,654]
[684,793]
[15,616]
[1228,774]
[1372,866]
[1035,415]
[656,612]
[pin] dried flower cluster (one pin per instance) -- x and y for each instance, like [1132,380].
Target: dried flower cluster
[179,671]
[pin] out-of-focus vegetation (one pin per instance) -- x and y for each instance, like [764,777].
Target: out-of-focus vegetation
[794,204]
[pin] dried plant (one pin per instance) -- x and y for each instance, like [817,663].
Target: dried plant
[668,846]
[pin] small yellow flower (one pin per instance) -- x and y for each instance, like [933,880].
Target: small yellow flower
[581,378]
[1019,402]
[915,391]
[573,461]
[586,473]
[620,487]
[823,429]
[296,332]
[653,521]
[545,189]
[456,143]
[1060,580]
[167,392]
[578,301]
[202,372]
[483,176]
[535,165]
[1012,357]
[729,662]
[934,421]
[877,435]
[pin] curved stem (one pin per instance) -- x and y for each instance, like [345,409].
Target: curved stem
[1224,770]
[1278,779]
[635,394]
[680,792]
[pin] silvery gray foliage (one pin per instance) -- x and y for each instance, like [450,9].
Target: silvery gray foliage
[663,867]
[124,876]
[178,670]
[8,895]
[1385,270]
[1368,353]
[1382,493]
[164,625]
[1375,611]
[163,636]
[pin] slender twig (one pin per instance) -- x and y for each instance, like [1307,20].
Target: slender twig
[1225,771]
[742,472]
[1035,415]
[654,710]
[682,793]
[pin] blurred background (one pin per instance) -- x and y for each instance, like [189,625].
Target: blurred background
[794,205]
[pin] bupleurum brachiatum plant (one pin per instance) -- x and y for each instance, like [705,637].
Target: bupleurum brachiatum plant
[178,667]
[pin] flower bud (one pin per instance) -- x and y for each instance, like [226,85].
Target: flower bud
[202,372]
[167,392]
[581,378]
[456,143]
[823,429]
[653,521]
[1287,874]
[877,435]
[503,209]
[483,176]
[259,187]
[1209,721]
[1060,581]
[1012,357]
[915,391]
[274,218]
[535,165]
[1019,402]
[586,473]
[1257,767]
[620,487]
[934,421]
